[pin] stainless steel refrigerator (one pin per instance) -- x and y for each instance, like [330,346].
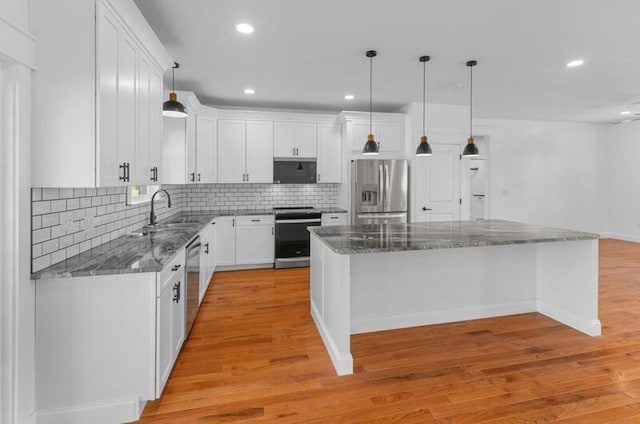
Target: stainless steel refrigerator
[379,191]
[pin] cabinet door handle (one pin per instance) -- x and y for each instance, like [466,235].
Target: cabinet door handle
[233,222]
[272,231]
[424,208]
[247,177]
[198,177]
[255,220]
[176,294]
[193,176]
[206,248]
[335,217]
[123,167]
[175,268]
[318,177]
[128,172]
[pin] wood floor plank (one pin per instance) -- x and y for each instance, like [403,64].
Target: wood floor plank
[255,356]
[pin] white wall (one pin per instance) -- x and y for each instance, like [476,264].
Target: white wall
[549,173]
[15,12]
[17,294]
[623,185]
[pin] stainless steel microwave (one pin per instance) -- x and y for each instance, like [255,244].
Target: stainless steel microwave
[294,171]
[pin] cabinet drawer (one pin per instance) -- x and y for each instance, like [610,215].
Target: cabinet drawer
[176,265]
[334,219]
[255,220]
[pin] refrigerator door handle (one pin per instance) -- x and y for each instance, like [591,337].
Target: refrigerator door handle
[382,215]
[381,188]
[387,186]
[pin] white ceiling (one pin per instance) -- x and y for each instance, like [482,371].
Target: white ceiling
[308,54]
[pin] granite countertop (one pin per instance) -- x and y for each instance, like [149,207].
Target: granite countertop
[350,240]
[135,252]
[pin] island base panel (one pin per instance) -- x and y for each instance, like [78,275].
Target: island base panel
[381,291]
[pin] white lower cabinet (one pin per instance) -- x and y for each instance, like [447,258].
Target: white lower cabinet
[106,343]
[207,257]
[255,239]
[170,316]
[226,240]
[338,218]
[245,240]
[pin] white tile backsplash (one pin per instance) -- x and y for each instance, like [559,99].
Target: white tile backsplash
[258,196]
[69,221]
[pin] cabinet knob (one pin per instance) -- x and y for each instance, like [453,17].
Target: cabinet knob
[175,268]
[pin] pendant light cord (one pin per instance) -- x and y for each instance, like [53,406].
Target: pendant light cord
[470,99]
[424,91]
[370,95]
[173,79]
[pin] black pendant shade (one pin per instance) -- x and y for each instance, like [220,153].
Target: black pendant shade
[172,108]
[371,147]
[470,149]
[424,149]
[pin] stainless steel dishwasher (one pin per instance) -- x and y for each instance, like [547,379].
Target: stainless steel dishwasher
[193,283]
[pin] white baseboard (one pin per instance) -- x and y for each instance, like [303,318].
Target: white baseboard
[113,411]
[590,327]
[620,236]
[440,317]
[342,363]
[242,267]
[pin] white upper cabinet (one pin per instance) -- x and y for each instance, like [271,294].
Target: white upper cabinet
[245,151]
[329,153]
[259,152]
[206,146]
[387,128]
[294,139]
[148,156]
[231,151]
[97,104]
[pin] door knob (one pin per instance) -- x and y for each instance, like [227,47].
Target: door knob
[424,208]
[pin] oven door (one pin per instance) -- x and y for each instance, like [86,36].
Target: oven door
[292,242]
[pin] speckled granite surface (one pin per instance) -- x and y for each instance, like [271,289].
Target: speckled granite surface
[143,253]
[360,239]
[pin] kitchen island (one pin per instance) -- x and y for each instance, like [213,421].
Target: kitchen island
[380,277]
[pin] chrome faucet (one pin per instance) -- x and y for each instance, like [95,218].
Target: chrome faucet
[152,215]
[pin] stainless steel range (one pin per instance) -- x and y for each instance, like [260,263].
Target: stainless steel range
[292,237]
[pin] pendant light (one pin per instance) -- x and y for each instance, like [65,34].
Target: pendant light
[172,107]
[371,147]
[470,149]
[424,149]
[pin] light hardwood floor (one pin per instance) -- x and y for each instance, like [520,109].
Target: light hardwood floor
[255,356]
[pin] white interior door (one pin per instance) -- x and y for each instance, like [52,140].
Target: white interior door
[437,181]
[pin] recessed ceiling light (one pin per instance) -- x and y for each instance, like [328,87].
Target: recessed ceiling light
[349,97]
[575,63]
[625,112]
[249,91]
[244,28]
